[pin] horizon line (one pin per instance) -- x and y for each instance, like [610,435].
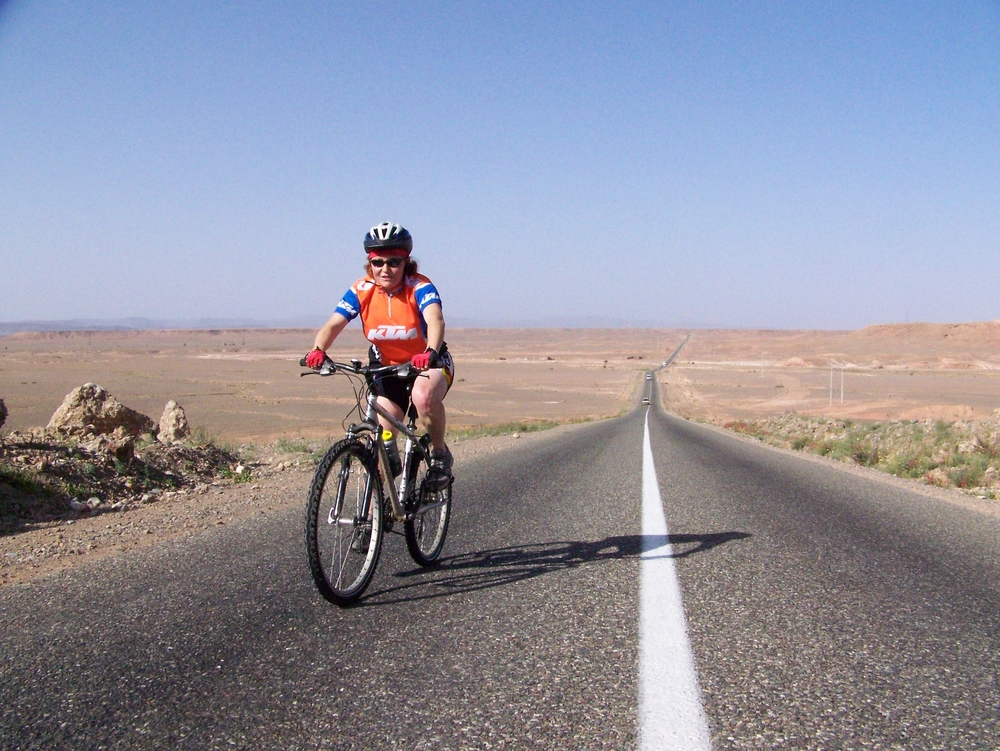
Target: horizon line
[83,325]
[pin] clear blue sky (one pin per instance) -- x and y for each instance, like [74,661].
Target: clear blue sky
[786,165]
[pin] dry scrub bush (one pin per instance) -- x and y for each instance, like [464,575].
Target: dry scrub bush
[964,455]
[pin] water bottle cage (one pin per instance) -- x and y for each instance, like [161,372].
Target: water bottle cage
[392,451]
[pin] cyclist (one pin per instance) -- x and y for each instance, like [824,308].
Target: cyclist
[402,318]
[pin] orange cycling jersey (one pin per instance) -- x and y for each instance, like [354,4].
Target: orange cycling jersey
[394,323]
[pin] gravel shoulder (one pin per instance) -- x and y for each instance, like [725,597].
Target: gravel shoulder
[45,548]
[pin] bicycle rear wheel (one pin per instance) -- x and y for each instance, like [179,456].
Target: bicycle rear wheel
[426,530]
[344,522]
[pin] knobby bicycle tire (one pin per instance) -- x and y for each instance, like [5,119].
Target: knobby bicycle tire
[344,522]
[426,529]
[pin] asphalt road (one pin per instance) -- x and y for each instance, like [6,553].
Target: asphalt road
[824,611]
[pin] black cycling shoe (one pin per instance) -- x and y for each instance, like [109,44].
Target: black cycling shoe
[361,541]
[439,470]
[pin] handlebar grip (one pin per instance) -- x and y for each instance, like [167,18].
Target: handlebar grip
[302,363]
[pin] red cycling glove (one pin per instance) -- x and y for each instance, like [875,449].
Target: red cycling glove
[315,358]
[426,359]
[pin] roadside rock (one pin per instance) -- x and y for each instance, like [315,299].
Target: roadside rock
[50,476]
[3,413]
[90,409]
[118,444]
[173,424]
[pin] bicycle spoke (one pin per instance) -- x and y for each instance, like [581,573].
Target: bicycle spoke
[426,530]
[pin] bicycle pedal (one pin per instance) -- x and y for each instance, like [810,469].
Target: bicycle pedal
[361,542]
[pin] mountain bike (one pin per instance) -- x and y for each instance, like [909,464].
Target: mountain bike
[355,498]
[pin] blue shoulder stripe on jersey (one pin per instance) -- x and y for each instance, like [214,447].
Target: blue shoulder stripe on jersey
[426,294]
[349,305]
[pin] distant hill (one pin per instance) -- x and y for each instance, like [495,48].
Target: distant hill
[315,321]
[569,322]
[154,324]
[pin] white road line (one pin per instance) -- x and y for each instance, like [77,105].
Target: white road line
[670,711]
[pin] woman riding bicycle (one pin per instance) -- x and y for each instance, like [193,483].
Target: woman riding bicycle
[401,316]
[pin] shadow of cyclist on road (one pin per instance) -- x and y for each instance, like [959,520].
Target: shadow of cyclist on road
[485,569]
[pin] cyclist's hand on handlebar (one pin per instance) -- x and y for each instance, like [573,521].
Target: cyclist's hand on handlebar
[426,359]
[315,359]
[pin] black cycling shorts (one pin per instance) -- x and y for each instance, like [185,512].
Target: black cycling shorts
[397,390]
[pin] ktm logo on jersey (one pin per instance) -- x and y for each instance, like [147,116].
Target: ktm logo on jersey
[391,333]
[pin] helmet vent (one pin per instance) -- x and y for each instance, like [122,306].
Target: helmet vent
[388,235]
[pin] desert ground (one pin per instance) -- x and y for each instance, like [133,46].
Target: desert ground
[894,372]
[244,389]
[244,386]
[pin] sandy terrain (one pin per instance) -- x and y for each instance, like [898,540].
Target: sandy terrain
[244,386]
[906,371]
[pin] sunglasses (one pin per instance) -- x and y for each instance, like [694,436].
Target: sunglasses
[393,263]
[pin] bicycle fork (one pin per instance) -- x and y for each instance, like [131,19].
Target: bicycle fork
[342,477]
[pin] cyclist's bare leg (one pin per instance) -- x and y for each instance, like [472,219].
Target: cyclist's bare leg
[392,409]
[428,397]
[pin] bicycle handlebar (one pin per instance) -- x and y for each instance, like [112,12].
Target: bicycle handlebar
[329,367]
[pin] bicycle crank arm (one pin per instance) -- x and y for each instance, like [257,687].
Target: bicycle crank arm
[428,507]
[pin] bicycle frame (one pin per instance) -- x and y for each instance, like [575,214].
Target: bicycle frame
[371,424]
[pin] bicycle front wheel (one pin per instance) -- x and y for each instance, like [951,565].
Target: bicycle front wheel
[344,522]
[426,529]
